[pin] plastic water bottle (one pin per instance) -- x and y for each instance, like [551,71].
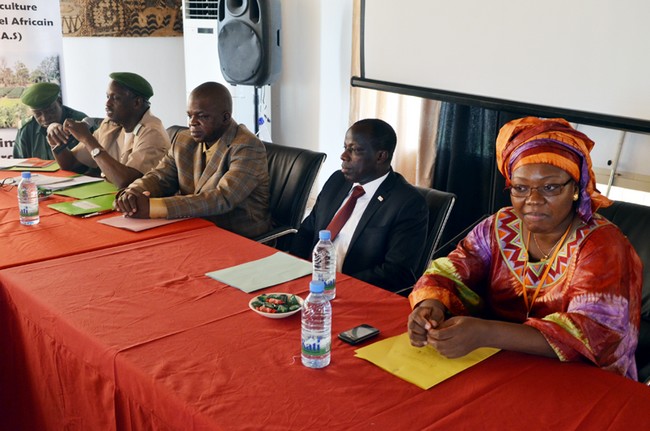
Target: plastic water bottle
[316,337]
[28,200]
[324,263]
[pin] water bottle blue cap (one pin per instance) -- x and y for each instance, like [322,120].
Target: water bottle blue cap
[26,174]
[316,286]
[324,235]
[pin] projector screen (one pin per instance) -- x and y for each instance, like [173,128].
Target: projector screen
[585,60]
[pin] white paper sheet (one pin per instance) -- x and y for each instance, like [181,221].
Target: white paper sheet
[9,163]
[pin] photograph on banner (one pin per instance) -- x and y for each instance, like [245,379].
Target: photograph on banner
[118,18]
[30,52]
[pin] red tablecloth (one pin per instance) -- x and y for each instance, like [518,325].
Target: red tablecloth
[59,234]
[137,337]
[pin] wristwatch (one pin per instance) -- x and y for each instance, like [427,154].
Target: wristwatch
[95,152]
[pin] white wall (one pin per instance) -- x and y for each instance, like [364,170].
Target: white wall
[87,62]
[311,98]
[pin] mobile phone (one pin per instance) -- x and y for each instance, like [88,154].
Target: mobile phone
[358,334]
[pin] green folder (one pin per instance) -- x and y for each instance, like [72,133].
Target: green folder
[86,191]
[85,206]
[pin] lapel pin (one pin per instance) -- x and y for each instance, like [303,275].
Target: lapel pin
[380,198]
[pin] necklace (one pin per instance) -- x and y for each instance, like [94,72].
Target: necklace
[546,255]
[542,281]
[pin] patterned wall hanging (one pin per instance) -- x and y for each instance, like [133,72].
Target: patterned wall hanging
[121,18]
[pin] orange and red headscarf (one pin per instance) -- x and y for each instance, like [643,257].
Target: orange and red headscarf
[554,142]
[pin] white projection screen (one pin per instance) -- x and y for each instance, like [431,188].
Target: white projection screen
[586,60]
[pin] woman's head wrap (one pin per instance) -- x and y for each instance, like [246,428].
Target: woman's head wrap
[554,142]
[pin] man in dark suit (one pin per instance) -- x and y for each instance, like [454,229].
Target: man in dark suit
[382,240]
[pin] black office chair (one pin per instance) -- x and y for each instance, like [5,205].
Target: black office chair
[440,205]
[292,172]
[173,132]
[634,222]
[93,122]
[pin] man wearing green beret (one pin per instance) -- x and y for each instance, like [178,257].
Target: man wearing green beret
[129,142]
[44,100]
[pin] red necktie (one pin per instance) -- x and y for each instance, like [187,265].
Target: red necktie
[345,212]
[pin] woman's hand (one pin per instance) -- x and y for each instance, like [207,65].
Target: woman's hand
[428,314]
[458,336]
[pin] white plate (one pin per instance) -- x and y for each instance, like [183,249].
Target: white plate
[275,315]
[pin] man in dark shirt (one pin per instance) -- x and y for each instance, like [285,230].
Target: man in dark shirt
[44,100]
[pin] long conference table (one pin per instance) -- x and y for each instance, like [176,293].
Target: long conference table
[133,336]
[59,234]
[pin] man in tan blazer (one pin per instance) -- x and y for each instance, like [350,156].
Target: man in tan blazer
[216,170]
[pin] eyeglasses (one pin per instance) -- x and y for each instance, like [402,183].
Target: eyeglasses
[7,184]
[547,190]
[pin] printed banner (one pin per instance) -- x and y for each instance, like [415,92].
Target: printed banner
[30,50]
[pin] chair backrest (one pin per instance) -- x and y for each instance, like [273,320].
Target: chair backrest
[440,205]
[634,222]
[93,122]
[174,130]
[292,172]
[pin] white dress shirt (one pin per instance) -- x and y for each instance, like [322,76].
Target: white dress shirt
[342,241]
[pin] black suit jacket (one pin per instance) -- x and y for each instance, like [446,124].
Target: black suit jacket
[389,240]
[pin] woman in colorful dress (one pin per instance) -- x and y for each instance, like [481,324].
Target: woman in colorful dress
[546,276]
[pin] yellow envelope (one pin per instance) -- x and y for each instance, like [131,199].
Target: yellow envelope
[422,366]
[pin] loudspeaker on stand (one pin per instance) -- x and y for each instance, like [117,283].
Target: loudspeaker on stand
[249,41]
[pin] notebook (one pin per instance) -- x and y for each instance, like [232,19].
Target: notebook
[85,206]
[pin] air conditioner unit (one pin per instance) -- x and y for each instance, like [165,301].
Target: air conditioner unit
[200,22]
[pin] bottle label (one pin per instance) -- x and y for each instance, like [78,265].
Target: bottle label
[330,285]
[314,345]
[28,210]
